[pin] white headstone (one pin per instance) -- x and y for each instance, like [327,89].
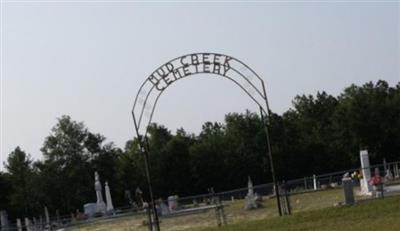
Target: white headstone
[46,214]
[250,189]
[27,224]
[164,208]
[251,202]
[388,175]
[3,220]
[315,182]
[19,224]
[366,172]
[173,203]
[396,171]
[89,209]
[101,206]
[110,207]
[34,223]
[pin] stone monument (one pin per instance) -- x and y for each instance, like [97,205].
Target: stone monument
[173,202]
[100,205]
[389,176]
[89,209]
[19,224]
[163,208]
[47,217]
[348,190]
[28,224]
[139,197]
[251,197]
[3,220]
[366,173]
[315,182]
[396,171]
[110,207]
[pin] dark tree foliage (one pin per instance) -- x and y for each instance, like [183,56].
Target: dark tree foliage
[319,134]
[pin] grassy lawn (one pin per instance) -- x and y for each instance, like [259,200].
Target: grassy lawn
[369,215]
[312,211]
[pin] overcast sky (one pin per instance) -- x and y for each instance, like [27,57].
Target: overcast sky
[87,60]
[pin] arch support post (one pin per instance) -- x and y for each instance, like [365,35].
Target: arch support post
[154,224]
[265,119]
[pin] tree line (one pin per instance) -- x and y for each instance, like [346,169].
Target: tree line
[321,133]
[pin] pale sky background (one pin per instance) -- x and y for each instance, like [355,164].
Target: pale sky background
[87,59]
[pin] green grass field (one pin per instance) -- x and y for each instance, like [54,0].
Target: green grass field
[312,211]
[369,215]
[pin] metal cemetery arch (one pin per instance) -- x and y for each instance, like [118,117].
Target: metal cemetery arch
[197,63]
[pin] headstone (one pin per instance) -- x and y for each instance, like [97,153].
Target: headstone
[73,218]
[128,197]
[90,209]
[110,207]
[41,227]
[388,176]
[396,171]
[377,185]
[164,208]
[173,202]
[35,224]
[100,205]
[251,202]
[315,182]
[3,220]
[366,173]
[195,203]
[348,190]
[19,224]
[46,214]
[28,224]
[139,197]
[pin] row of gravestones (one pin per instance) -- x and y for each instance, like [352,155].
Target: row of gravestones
[27,224]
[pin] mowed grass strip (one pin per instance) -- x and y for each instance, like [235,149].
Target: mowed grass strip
[369,215]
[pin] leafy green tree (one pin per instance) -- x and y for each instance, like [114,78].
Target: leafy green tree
[20,175]
[208,157]
[5,188]
[369,117]
[66,171]
[175,165]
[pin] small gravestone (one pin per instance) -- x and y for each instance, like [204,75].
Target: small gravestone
[195,203]
[90,209]
[389,175]
[315,182]
[251,198]
[396,171]
[28,224]
[139,197]
[3,220]
[47,217]
[35,224]
[348,190]
[173,202]
[164,208]
[128,197]
[377,184]
[19,224]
